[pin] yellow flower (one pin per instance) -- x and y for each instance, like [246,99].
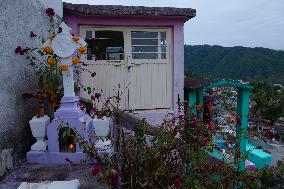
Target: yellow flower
[75,38]
[82,49]
[75,60]
[51,61]
[47,49]
[64,67]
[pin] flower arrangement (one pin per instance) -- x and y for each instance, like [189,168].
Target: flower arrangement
[47,64]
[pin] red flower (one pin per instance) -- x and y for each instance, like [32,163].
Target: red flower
[177,183]
[237,155]
[238,119]
[195,121]
[98,95]
[216,123]
[117,180]
[174,131]
[50,12]
[96,169]
[32,34]
[93,74]
[18,49]
[93,41]
[210,126]
[59,30]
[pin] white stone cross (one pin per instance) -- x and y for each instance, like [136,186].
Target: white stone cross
[64,47]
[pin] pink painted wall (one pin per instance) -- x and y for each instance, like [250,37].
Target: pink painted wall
[176,23]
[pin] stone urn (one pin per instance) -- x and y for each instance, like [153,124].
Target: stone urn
[102,130]
[38,127]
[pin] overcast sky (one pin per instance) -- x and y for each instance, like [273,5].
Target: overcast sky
[250,23]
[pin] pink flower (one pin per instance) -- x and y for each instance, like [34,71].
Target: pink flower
[50,12]
[177,183]
[96,169]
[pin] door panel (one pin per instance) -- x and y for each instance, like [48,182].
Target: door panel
[150,86]
[110,67]
[142,70]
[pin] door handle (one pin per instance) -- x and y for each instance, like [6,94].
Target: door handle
[129,67]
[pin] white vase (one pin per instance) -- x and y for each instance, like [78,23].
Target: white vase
[38,128]
[101,126]
[102,129]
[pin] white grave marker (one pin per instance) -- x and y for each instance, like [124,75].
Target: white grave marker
[64,47]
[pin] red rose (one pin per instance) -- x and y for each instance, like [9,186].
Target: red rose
[177,183]
[50,12]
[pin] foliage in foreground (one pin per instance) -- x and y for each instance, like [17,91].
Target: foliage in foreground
[176,157]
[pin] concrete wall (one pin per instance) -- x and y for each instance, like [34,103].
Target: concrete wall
[17,19]
[75,21]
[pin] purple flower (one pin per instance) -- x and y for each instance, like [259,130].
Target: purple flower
[50,12]
[59,30]
[93,74]
[33,34]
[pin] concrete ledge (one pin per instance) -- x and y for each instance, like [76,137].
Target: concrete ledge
[73,184]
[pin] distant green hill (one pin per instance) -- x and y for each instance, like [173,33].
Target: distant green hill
[235,62]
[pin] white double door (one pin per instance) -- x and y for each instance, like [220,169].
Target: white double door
[135,63]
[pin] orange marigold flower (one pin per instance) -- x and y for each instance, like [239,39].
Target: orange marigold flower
[82,49]
[51,61]
[75,60]
[75,38]
[64,67]
[47,49]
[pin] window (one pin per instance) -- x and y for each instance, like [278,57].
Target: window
[105,45]
[148,45]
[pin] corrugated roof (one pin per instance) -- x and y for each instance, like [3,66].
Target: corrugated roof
[119,10]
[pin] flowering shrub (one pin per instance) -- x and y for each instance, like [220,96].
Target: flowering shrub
[177,157]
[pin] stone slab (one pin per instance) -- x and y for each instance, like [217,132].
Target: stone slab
[73,184]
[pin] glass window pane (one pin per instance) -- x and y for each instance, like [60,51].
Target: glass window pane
[163,35]
[108,45]
[144,34]
[145,49]
[164,48]
[88,34]
[145,55]
[163,56]
[145,42]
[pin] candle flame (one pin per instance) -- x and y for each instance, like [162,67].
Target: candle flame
[71,147]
